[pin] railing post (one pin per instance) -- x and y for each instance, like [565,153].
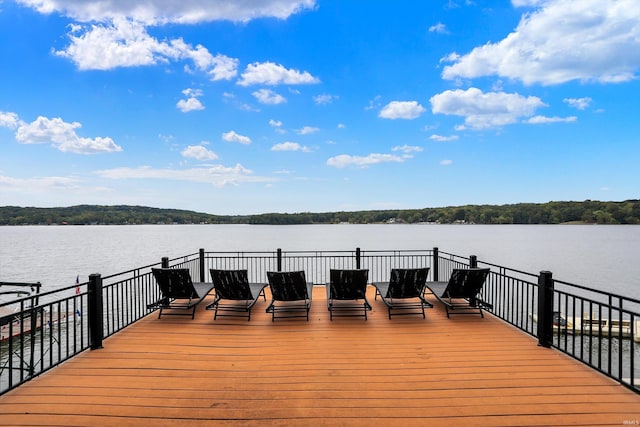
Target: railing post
[436,258]
[96,325]
[202,275]
[165,262]
[473,261]
[358,258]
[545,309]
[279,259]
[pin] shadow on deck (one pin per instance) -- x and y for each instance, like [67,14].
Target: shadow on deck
[465,370]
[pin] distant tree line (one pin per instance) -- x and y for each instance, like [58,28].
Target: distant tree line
[589,211]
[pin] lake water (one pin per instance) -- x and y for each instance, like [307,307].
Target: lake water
[598,256]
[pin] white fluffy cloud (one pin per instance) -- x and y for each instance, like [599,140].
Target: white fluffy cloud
[9,120]
[407,150]
[563,40]
[540,120]
[289,146]
[269,73]
[199,152]
[269,97]
[579,103]
[109,34]
[439,28]
[306,130]
[126,43]
[192,103]
[217,175]
[442,138]
[324,99]
[485,110]
[526,3]
[402,110]
[154,12]
[344,160]
[232,136]
[37,185]
[63,136]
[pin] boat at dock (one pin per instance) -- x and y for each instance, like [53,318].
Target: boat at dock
[595,326]
[20,315]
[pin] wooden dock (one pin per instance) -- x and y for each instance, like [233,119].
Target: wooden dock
[466,370]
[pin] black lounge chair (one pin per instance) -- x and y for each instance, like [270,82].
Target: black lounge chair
[461,294]
[345,289]
[178,291]
[240,296]
[290,294]
[404,291]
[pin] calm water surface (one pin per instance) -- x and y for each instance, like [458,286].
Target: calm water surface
[597,256]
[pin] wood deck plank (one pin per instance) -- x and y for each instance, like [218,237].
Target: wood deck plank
[436,371]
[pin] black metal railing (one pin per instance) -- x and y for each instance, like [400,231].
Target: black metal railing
[39,331]
[57,325]
[600,329]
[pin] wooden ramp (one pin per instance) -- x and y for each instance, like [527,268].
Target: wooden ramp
[406,371]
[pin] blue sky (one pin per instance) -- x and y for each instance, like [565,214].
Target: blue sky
[241,107]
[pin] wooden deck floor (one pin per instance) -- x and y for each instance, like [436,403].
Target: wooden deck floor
[176,371]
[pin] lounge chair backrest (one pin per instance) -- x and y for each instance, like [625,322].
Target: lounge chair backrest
[231,284]
[348,284]
[288,285]
[465,283]
[175,283]
[407,282]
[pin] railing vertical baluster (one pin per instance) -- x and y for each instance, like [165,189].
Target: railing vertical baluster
[573,324]
[632,351]
[610,335]
[545,309]
[581,328]
[357,258]
[96,327]
[600,336]
[435,269]
[32,339]
[201,265]
[620,351]
[564,328]
[279,259]
[59,344]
